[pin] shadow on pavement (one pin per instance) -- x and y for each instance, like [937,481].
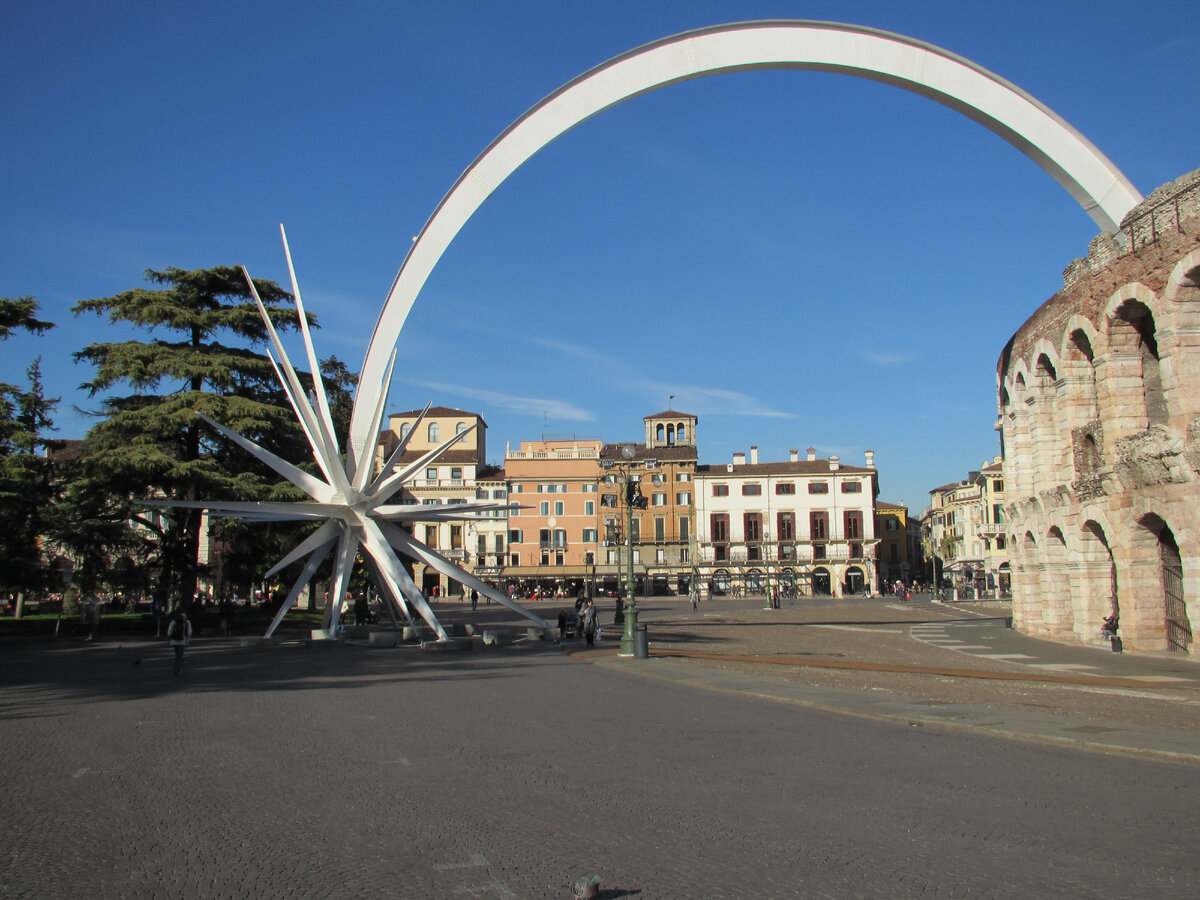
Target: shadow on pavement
[38,677]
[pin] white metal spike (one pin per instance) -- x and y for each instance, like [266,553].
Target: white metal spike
[363,465]
[318,490]
[309,348]
[398,452]
[321,539]
[316,428]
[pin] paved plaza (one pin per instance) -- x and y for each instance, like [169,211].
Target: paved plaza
[874,768]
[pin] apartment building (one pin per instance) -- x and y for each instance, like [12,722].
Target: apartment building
[803,527]
[451,479]
[893,556]
[964,528]
[663,542]
[552,539]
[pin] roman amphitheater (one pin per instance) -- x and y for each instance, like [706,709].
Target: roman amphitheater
[1099,405]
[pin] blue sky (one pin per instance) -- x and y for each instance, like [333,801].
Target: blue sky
[802,259]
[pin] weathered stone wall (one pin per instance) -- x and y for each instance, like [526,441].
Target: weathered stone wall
[1099,396]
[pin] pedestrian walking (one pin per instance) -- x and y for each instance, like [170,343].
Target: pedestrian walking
[225,608]
[361,610]
[474,599]
[179,633]
[694,596]
[91,613]
[589,623]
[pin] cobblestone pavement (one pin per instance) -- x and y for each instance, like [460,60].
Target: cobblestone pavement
[298,771]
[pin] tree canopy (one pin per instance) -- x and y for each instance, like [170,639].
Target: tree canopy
[149,442]
[26,495]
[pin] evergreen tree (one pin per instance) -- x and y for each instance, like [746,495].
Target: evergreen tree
[150,442]
[25,491]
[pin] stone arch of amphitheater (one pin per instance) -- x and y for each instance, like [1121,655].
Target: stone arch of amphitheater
[1099,405]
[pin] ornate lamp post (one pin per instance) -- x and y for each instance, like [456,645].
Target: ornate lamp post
[633,499]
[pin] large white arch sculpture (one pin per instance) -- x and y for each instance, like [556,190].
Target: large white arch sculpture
[1103,191]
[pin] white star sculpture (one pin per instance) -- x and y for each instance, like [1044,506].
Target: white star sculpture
[352,504]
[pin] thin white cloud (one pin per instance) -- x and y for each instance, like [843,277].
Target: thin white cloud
[533,406]
[713,401]
[880,358]
[689,398]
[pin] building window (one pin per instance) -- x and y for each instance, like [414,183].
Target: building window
[544,538]
[851,487]
[853,521]
[514,536]
[818,551]
[431,536]
[433,432]
[683,498]
[751,490]
[456,474]
[856,551]
[637,557]
[721,552]
[460,427]
[544,508]
[660,528]
[589,488]
[589,558]
[431,474]
[893,524]
[404,430]
[589,535]
[720,490]
[608,501]
[785,524]
[611,557]
[499,544]
[635,530]
[660,556]
[785,487]
[558,507]
[517,488]
[818,524]
[659,499]
[560,538]
[683,476]
[818,487]
[685,529]
[752,522]
[589,507]
[685,556]
[720,528]
[514,559]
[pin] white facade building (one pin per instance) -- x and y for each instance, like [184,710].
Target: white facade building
[799,528]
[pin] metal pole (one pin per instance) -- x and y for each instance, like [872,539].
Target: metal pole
[630,602]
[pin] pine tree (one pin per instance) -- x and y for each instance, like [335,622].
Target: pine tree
[25,491]
[150,442]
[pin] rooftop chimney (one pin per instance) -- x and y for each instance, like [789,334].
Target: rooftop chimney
[870,459]
[739,459]
[834,464]
[812,453]
[794,455]
[753,455]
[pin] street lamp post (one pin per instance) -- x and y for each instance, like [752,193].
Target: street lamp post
[632,499]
